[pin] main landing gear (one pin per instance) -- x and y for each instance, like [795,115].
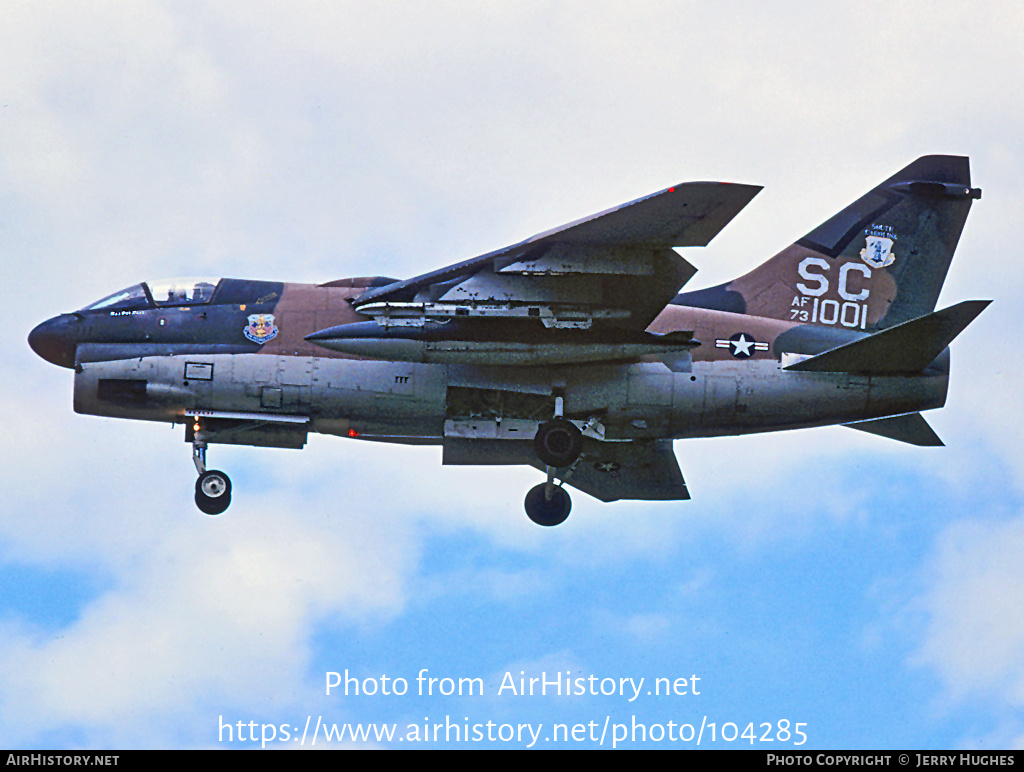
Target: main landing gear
[213,488]
[548,504]
[558,444]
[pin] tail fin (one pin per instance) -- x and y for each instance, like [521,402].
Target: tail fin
[879,262]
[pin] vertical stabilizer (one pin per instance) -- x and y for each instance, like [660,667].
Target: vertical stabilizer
[879,262]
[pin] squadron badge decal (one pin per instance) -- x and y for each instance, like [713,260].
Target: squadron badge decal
[261,328]
[878,251]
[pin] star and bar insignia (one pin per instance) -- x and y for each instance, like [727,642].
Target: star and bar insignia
[742,345]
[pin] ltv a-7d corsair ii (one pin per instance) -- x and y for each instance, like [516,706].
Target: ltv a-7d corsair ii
[572,351]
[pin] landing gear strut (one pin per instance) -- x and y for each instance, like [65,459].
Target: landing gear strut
[213,488]
[558,444]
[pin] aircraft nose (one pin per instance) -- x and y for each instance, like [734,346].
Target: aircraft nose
[53,340]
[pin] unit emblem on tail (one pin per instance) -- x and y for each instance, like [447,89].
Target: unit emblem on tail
[878,251]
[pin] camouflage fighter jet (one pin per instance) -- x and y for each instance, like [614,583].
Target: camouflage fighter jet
[571,351]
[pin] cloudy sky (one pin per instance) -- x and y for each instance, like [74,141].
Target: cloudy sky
[866,590]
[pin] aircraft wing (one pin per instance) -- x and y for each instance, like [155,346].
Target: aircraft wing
[609,471]
[615,267]
[686,215]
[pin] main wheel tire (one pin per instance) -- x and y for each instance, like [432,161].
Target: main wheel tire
[213,492]
[548,511]
[558,442]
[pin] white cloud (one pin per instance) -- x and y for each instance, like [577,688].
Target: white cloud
[221,612]
[975,633]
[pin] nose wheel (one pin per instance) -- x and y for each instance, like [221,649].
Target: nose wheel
[213,488]
[213,492]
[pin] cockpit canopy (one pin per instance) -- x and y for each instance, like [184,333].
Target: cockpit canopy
[164,292]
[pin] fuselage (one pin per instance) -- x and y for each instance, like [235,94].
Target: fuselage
[236,347]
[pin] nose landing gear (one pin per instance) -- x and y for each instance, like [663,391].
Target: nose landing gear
[213,492]
[213,488]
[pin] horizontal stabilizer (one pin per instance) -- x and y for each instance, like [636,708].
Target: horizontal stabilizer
[903,349]
[910,428]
